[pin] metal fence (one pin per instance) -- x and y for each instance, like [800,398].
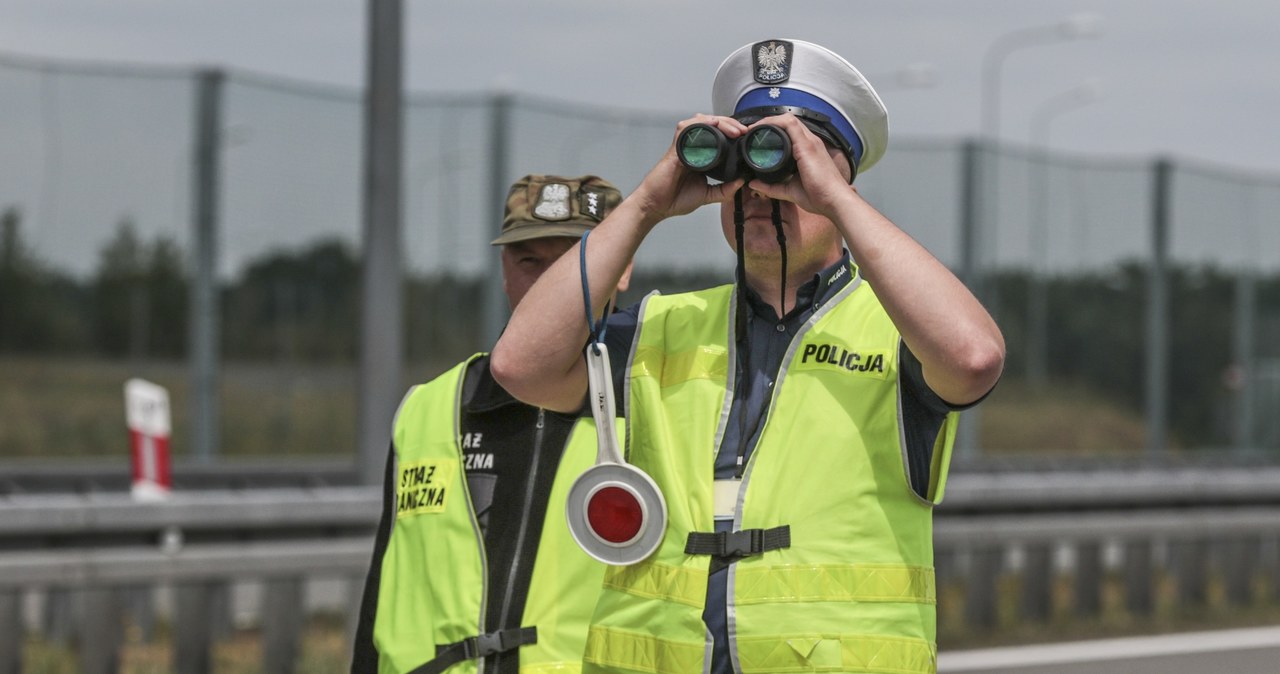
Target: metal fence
[86,148]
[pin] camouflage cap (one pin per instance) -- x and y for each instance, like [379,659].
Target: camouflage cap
[540,206]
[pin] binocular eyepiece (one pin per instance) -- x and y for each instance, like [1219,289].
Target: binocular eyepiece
[763,152]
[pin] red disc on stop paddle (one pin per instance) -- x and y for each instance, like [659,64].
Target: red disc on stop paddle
[615,514]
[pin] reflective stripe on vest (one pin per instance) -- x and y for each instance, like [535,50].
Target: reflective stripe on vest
[855,589]
[434,587]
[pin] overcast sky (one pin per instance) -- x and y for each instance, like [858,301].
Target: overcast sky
[1191,78]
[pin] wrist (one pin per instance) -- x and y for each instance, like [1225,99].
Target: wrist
[643,211]
[843,204]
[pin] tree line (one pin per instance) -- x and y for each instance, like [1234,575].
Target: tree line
[303,305]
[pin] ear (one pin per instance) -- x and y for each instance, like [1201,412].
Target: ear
[624,281]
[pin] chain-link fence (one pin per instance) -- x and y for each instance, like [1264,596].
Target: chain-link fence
[1152,284]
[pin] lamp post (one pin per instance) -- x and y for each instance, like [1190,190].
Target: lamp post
[1037,301]
[1074,27]
[986,181]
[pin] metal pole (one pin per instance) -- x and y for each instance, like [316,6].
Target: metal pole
[1246,294]
[1157,365]
[381,332]
[204,316]
[495,300]
[1037,271]
[1037,278]
[972,164]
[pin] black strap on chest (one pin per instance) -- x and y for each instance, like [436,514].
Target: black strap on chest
[473,648]
[727,547]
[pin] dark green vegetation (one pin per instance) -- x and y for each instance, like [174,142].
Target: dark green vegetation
[289,330]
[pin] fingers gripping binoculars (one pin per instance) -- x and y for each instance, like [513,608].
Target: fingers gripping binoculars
[764,152]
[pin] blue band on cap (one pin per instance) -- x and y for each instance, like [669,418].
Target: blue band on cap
[757,98]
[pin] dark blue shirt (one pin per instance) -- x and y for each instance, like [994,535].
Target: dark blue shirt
[760,353]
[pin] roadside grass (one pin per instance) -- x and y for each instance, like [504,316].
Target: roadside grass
[1065,623]
[1061,419]
[72,407]
[325,649]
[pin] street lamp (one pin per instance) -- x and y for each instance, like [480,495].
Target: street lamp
[1037,301]
[1074,27]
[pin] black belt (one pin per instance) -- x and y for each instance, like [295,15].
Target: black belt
[476,647]
[727,547]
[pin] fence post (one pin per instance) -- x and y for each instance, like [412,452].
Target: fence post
[1037,582]
[204,316]
[1157,365]
[221,620]
[974,195]
[1192,564]
[282,621]
[1271,553]
[101,630]
[980,596]
[351,620]
[1242,345]
[1088,578]
[495,300]
[12,634]
[1239,564]
[1139,586]
[141,610]
[382,287]
[192,653]
[59,618]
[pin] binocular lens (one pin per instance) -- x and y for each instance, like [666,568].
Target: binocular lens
[764,153]
[767,148]
[700,146]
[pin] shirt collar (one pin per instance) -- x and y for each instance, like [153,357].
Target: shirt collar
[833,279]
[815,292]
[481,393]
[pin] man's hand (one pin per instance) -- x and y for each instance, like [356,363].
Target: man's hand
[671,189]
[822,173]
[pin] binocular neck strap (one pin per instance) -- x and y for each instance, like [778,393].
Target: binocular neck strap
[740,271]
[782,246]
[739,219]
[741,309]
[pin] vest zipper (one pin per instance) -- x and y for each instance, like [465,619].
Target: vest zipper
[518,558]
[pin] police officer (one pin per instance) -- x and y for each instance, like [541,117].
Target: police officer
[473,561]
[798,421]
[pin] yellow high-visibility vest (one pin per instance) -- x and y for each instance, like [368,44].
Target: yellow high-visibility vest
[854,591]
[433,588]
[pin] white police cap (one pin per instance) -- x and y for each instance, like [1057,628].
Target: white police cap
[806,75]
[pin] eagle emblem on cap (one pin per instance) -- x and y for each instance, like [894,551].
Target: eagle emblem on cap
[772,61]
[553,202]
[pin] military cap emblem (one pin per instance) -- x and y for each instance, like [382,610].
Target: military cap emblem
[591,203]
[772,60]
[553,202]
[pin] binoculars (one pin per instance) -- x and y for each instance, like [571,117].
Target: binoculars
[763,152]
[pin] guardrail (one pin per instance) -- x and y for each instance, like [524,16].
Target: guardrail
[983,486]
[94,551]
[96,475]
[1185,529]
